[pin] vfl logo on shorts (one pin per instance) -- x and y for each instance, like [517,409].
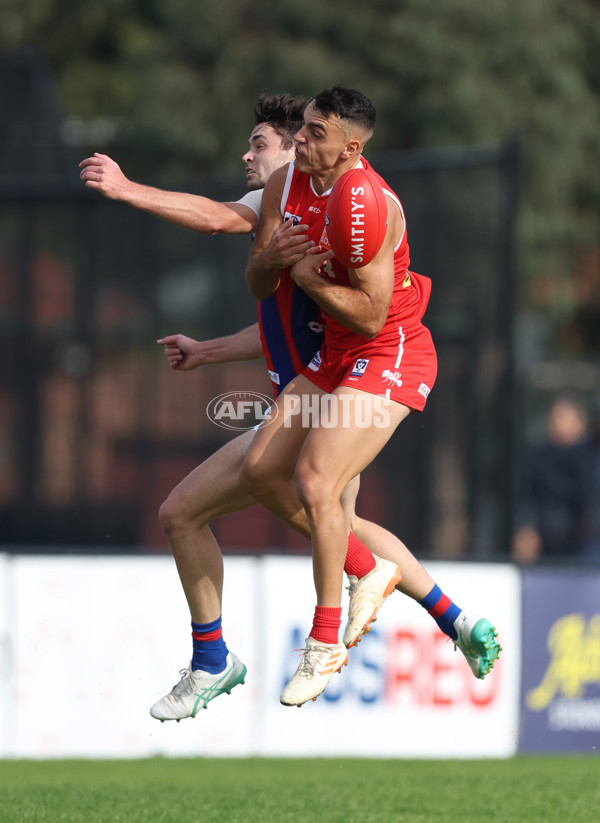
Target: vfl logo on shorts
[274,376]
[315,363]
[424,390]
[359,368]
[392,377]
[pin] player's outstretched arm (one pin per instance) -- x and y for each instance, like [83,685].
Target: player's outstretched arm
[184,353]
[189,211]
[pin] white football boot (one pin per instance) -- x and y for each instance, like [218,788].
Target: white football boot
[196,689]
[367,596]
[477,641]
[318,664]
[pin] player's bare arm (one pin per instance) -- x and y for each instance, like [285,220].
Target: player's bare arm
[188,211]
[277,244]
[184,353]
[364,307]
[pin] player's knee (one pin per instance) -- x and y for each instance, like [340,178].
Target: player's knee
[310,486]
[348,498]
[166,516]
[172,517]
[261,479]
[253,477]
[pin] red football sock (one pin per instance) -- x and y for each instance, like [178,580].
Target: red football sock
[359,560]
[326,624]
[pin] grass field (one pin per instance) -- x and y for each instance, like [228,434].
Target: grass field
[524,789]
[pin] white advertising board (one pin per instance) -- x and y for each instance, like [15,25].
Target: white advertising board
[97,640]
[6,651]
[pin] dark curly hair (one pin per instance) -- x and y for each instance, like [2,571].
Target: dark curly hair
[283,112]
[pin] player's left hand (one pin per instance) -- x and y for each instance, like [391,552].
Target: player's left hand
[313,264]
[100,172]
[287,245]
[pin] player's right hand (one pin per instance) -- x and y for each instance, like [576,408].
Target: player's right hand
[100,172]
[288,244]
[179,351]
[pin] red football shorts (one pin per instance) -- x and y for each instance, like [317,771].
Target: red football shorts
[402,371]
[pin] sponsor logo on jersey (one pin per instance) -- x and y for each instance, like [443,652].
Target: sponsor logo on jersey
[274,376]
[359,368]
[392,377]
[315,363]
[424,390]
[315,209]
[294,218]
[357,222]
[324,241]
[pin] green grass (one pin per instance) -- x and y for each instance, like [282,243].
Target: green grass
[522,790]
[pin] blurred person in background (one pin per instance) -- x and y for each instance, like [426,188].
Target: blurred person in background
[592,551]
[558,495]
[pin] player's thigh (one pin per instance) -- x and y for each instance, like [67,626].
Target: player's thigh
[364,424]
[278,441]
[213,488]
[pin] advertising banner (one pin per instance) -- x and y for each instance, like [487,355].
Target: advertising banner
[405,692]
[96,641]
[6,651]
[561,654]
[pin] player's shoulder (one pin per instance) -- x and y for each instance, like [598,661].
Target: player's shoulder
[252,200]
[279,176]
[275,186]
[385,187]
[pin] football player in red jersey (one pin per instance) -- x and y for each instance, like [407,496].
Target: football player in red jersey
[377,365]
[213,488]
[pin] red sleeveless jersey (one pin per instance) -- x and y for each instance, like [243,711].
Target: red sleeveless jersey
[411,291]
